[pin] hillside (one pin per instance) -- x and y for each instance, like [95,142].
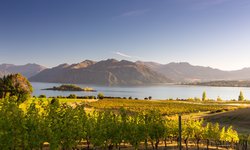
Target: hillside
[106,72]
[185,72]
[238,118]
[27,70]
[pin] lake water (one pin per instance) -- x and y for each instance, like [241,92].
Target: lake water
[156,91]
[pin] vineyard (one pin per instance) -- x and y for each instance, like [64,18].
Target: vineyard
[165,107]
[50,124]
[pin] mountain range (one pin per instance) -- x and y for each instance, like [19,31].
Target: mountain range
[114,72]
[106,72]
[185,72]
[27,70]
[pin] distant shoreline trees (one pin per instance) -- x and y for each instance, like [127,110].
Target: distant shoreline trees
[204,96]
[241,96]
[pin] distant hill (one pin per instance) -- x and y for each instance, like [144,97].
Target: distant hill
[185,72]
[27,70]
[243,74]
[106,72]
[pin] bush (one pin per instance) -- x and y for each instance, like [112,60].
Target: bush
[60,96]
[55,101]
[219,99]
[197,99]
[100,96]
[42,96]
[73,96]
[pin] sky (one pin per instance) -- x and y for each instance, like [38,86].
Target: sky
[213,33]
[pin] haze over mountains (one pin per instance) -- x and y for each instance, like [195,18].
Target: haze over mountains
[114,72]
[27,70]
[185,72]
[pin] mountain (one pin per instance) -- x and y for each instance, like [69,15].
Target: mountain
[106,72]
[243,74]
[114,72]
[185,72]
[83,64]
[27,70]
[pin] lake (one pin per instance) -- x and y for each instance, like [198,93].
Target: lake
[156,91]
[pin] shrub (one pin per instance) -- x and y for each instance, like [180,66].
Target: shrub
[100,96]
[42,96]
[73,96]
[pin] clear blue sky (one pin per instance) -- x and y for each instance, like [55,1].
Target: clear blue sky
[212,33]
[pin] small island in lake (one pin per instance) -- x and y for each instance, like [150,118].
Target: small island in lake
[70,87]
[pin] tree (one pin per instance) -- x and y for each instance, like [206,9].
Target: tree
[42,96]
[204,96]
[219,99]
[15,85]
[100,96]
[55,102]
[241,96]
[72,96]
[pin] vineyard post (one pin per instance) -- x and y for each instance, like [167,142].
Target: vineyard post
[179,131]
